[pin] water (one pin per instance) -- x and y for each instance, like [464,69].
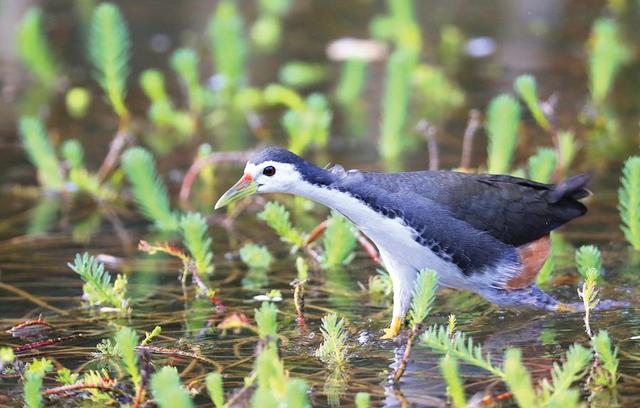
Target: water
[39,234]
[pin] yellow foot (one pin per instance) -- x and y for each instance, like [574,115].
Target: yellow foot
[394,329]
[563,307]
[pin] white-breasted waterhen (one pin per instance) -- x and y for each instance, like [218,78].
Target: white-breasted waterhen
[485,233]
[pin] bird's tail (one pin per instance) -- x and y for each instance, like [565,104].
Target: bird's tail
[571,188]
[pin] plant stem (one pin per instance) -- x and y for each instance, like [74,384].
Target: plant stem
[467,142]
[402,367]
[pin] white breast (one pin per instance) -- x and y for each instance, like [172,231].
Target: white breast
[391,236]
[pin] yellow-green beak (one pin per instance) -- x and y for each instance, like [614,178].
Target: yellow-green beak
[243,188]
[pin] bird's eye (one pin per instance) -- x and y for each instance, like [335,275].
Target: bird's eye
[269,171]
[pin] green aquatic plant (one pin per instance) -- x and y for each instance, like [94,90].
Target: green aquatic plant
[97,288]
[194,229]
[109,49]
[161,111]
[148,336]
[184,62]
[256,256]
[41,153]
[149,190]
[525,86]
[380,284]
[267,321]
[6,357]
[400,26]
[518,379]
[333,350]
[424,293]
[215,389]
[277,217]
[34,50]
[77,101]
[437,95]
[352,80]
[308,125]
[607,54]
[568,147]
[302,269]
[451,375]
[126,341]
[629,201]
[339,241]
[589,295]
[226,30]
[276,94]
[395,105]
[588,257]
[73,153]
[459,347]
[542,165]
[564,375]
[297,74]
[546,272]
[362,400]
[33,376]
[452,42]
[607,355]
[266,31]
[274,387]
[503,119]
[167,390]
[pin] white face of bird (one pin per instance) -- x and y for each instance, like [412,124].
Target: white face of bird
[266,177]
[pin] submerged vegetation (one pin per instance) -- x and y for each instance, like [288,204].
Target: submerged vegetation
[218,95]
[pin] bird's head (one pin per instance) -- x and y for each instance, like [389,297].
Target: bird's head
[273,170]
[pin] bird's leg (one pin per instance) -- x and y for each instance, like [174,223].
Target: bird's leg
[403,278]
[394,328]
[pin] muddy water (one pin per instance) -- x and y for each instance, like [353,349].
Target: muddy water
[39,234]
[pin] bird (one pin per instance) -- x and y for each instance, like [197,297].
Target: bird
[485,233]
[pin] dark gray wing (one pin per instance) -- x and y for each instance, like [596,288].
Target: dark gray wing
[513,210]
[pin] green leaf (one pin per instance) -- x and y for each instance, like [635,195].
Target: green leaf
[518,379]
[149,190]
[503,119]
[629,201]
[426,284]
[267,321]
[196,238]
[589,261]
[455,388]
[184,62]
[127,340]
[215,389]
[109,47]
[607,54]
[256,256]
[40,152]
[395,105]
[608,355]
[339,241]
[98,288]
[460,347]
[526,87]
[34,374]
[277,217]
[542,165]
[333,349]
[226,31]
[34,49]
[167,390]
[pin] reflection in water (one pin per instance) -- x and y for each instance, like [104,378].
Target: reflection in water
[44,215]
